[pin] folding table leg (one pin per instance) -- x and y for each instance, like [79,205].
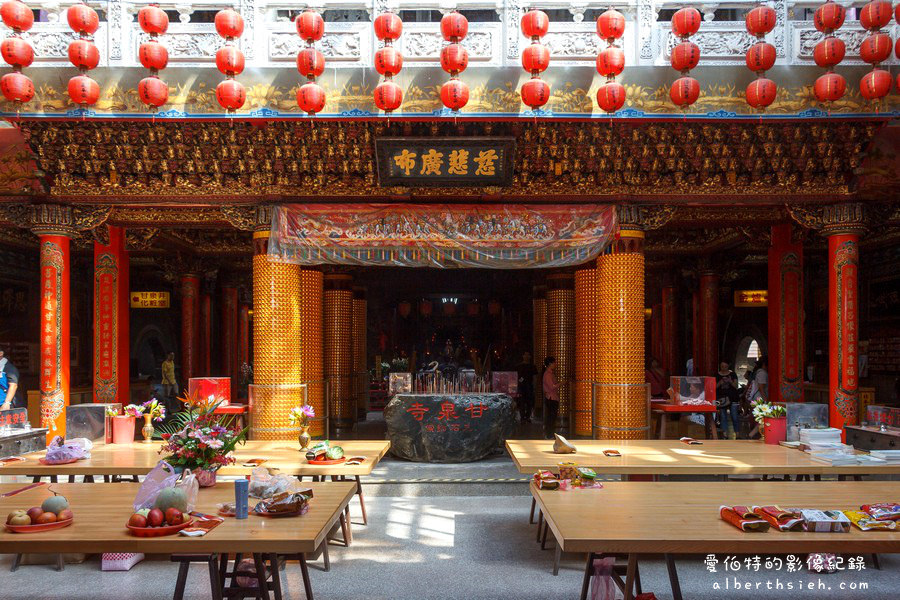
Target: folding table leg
[345,529]
[544,536]
[557,556]
[540,525]
[362,503]
[16,561]
[60,563]
[261,576]
[181,580]
[531,515]
[325,557]
[875,563]
[588,571]
[307,584]
[629,576]
[215,588]
[276,576]
[673,576]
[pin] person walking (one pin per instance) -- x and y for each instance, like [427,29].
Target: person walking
[526,372]
[727,400]
[551,396]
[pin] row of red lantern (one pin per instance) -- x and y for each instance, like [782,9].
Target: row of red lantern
[876,48]
[310,62]
[761,57]
[454,60]
[535,59]
[230,94]
[388,62]
[611,61]
[685,56]
[17,52]
[153,55]
[83,53]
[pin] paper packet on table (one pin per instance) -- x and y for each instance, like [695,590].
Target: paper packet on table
[286,502]
[743,518]
[202,525]
[546,480]
[834,521]
[355,460]
[883,511]
[264,484]
[779,518]
[866,522]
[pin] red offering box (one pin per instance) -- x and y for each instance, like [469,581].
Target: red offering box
[219,387]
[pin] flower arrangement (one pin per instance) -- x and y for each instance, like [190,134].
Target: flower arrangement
[134,410]
[763,410]
[197,438]
[112,411]
[300,415]
[155,409]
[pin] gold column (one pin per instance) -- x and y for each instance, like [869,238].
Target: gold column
[339,351]
[621,402]
[539,336]
[587,354]
[360,349]
[561,340]
[312,371]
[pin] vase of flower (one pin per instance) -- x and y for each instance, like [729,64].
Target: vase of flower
[147,429]
[206,477]
[122,429]
[153,411]
[775,429]
[300,416]
[304,438]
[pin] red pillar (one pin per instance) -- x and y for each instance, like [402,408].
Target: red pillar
[785,347]
[656,340]
[111,339]
[243,336]
[671,361]
[205,334]
[709,322]
[55,338]
[229,334]
[190,325]
[843,328]
[696,339]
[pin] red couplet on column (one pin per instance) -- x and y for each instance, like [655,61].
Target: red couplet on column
[205,335]
[843,329]
[190,326]
[243,337]
[111,372]
[785,348]
[54,380]
[229,335]
[709,324]
[670,359]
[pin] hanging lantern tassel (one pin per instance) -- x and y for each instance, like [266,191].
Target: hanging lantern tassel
[611,61]
[454,60]
[828,53]
[388,62]
[685,56]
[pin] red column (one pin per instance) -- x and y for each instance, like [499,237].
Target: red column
[843,328]
[709,322]
[190,325]
[656,341]
[243,336]
[671,362]
[111,339]
[785,348]
[229,334]
[55,339]
[205,334]
[696,339]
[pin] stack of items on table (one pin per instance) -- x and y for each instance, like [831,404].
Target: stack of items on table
[570,476]
[825,446]
[891,457]
[882,515]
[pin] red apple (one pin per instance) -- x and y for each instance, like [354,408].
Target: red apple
[47,517]
[155,518]
[35,512]
[65,514]
[173,516]
[137,520]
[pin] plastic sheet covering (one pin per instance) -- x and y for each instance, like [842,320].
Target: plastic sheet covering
[441,235]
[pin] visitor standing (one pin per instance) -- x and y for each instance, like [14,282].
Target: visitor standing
[551,396]
[10,392]
[169,385]
[526,372]
[658,379]
[759,384]
[727,399]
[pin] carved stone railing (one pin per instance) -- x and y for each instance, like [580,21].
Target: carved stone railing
[270,39]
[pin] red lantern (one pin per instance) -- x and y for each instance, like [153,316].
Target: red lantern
[875,84]
[829,52]
[153,91]
[897,46]
[875,48]
[761,20]
[388,26]
[153,20]
[17,52]
[454,94]
[611,96]
[535,24]
[611,25]
[84,54]
[686,22]
[684,91]
[426,307]
[83,19]
[454,26]
[230,60]
[494,308]
[83,90]
[535,58]
[230,95]
[17,17]
[310,26]
[311,98]
[449,309]
[388,96]
[611,61]
[310,62]
[535,93]
[388,61]
[404,308]
[16,87]
[761,92]
[454,58]
[153,55]
[829,16]
[830,87]
[685,56]
[473,308]
[875,15]
[760,57]
[229,24]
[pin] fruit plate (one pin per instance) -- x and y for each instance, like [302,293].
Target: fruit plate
[326,461]
[39,527]
[44,461]
[158,531]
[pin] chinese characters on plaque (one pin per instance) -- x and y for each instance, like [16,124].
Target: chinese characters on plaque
[445,417]
[445,161]
[149,299]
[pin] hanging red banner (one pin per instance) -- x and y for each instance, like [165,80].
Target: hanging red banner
[106,326]
[54,332]
[791,342]
[844,255]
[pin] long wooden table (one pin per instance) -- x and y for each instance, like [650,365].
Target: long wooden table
[673,457]
[102,510]
[683,517]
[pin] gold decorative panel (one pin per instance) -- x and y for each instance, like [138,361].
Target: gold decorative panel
[338,317]
[561,339]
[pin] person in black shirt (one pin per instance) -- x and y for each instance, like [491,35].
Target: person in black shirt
[10,393]
[526,371]
[727,399]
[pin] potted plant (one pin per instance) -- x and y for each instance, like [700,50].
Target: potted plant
[123,425]
[200,440]
[153,411]
[299,417]
[772,419]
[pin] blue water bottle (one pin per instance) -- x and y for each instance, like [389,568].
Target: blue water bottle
[241,498]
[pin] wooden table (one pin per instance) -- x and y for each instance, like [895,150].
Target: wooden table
[139,458]
[683,518]
[101,511]
[663,409]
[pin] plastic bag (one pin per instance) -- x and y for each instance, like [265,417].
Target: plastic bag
[191,488]
[162,476]
[602,585]
[59,452]
[265,485]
